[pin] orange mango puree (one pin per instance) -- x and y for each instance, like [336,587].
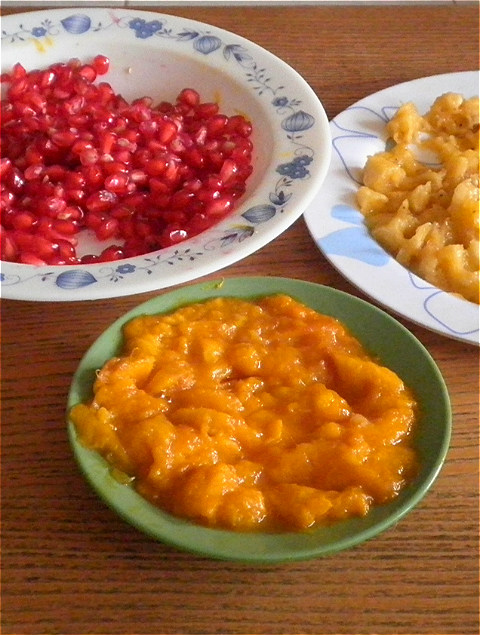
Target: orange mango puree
[252,415]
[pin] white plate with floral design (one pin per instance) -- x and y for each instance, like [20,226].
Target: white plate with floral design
[158,55]
[338,227]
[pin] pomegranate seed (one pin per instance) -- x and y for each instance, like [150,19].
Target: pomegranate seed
[89,259]
[101,64]
[64,139]
[117,183]
[66,252]
[93,220]
[65,227]
[107,229]
[52,206]
[111,253]
[9,251]
[219,206]
[189,96]
[207,110]
[100,201]
[77,156]
[228,171]
[5,166]
[24,221]
[34,172]
[167,131]
[88,73]
[28,258]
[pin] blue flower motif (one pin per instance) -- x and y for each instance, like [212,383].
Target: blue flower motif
[144,29]
[136,23]
[295,169]
[2,277]
[280,102]
[125,269]
[39,31]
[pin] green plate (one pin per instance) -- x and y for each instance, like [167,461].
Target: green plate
[381,334]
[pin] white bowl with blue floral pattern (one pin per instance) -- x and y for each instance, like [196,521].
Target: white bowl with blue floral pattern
[159,55]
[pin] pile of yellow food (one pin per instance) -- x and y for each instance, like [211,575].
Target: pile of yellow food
[427,213]
[251,415]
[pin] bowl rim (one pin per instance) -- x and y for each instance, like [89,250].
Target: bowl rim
[263,548]
[213,249]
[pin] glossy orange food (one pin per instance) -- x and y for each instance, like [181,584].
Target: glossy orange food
[252,415]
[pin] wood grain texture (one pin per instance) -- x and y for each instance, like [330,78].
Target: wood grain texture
[70,566]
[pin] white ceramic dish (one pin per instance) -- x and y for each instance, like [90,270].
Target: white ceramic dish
[338,228]
[159,55]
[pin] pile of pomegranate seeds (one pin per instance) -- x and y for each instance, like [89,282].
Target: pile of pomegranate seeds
[142,177]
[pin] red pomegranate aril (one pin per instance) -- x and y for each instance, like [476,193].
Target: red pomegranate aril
[18,88]
[36,101]
[219,206]
[89,156]
[101,201]
[9,251]
[148,128]
[121,212]
[88,73]
[112,253]
[15,180]
[89,259]
[107,229]
[194,158]
[28,258]
[167,131]
[156,167]
[93,176]
[176,236]
[57,260]
[93,220]
[65,227]
[133,247]
[33,172]
[189,96]
[66,251]
[117,183]
[182,199]
[7,200]
[61,93]
[216,125]
[107,142]
[18,71]
[228,171]
[208,195]
[5,166]
[239,125]
[75,196]
[33,243]
[101,64]
[64,138]
[52,206]
[24,220]
[47,78]
[72,213]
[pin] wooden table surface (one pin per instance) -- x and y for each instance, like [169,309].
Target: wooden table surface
[71,566]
